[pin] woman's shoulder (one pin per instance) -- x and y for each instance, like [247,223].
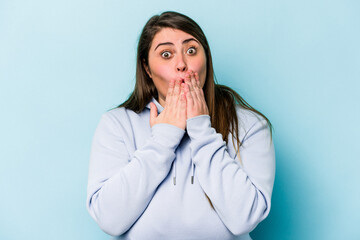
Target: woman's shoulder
[122,113]
[117,113]
[247,118]
[250,123]
[118,116]
[124,118]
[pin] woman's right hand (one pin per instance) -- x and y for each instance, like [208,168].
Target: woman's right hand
[174,112]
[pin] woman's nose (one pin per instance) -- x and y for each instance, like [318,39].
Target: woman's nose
[181,64]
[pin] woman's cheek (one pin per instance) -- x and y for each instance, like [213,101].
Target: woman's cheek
[162,76]
[164,73]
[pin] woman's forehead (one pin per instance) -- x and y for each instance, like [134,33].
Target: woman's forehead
[171,35]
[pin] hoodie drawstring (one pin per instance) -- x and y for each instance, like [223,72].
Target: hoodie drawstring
[192,171]
[174,172]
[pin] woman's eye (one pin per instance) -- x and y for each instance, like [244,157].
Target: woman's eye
[191,51]
[166,54]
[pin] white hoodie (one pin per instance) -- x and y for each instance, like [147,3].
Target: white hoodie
[140,178]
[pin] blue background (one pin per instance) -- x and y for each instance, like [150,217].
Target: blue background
[64,63]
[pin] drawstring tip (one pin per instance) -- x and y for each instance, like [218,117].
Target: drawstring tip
[192,179]
[174,180]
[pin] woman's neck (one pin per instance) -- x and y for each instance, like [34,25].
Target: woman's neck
[161,100]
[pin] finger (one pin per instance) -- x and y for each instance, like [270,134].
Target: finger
[177,88]
[170,92]
[193,80]
[197,80]
[153,113]
[189,86]
[183,100]
[199,85]
[170,88]
[182,87]
[196,92]
[188,95]
[176,93]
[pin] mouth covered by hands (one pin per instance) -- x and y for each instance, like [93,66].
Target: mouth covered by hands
[195,100]
[184,100]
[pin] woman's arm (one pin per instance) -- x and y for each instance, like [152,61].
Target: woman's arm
[120,188]
[241,195]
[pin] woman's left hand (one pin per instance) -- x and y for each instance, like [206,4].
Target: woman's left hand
[195,100]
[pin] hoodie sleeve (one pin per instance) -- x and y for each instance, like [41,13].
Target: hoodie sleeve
[120,188]
[240,193]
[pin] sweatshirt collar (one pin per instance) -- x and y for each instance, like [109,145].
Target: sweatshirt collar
[159,107]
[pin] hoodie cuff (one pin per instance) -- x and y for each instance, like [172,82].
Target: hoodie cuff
[199,126]
[167,135]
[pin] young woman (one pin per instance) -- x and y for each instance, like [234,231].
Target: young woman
[183,157]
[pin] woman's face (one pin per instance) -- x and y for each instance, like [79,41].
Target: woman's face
[172,54]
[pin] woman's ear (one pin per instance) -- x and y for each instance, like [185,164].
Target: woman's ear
[147,69]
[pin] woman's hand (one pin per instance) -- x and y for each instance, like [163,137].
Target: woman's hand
[195,100]
[174,112]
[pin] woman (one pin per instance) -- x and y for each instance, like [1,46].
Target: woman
[183,157]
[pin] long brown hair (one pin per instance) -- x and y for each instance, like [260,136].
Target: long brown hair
[221,100]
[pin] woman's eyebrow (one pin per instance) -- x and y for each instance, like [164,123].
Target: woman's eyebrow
[170,43]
